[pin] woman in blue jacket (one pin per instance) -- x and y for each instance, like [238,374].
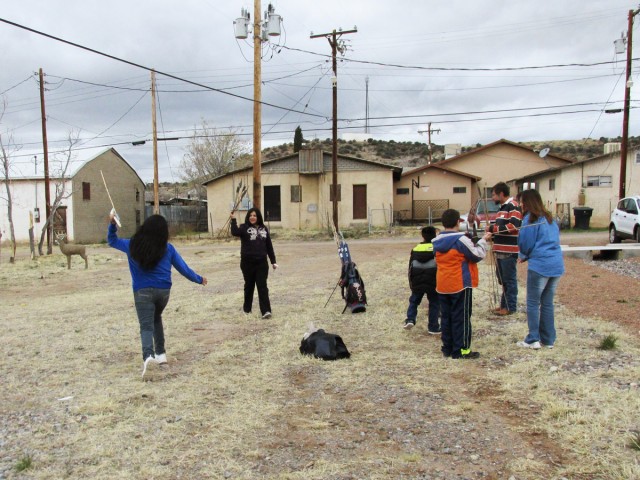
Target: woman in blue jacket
[150,258]
[539,245]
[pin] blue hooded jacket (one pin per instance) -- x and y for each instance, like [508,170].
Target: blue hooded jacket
[539,244]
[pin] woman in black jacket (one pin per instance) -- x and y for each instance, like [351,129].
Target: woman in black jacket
[256,246]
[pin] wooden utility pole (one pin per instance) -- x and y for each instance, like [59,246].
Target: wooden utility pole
[429,131]
[333,38]
[257,105]
[156,196]
[45,148]
[625,120]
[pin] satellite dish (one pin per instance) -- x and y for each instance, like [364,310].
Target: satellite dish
[544,152]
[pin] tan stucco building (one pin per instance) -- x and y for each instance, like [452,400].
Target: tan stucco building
[423,193]
[461,179]
[598,179]
[296,192]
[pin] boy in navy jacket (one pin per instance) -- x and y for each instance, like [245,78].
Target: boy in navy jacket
[422,280]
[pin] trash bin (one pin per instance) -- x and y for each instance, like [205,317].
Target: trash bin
[582,216]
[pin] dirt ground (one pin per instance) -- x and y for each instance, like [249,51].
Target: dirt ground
[395,411]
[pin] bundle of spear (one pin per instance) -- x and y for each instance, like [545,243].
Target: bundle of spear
[241,191]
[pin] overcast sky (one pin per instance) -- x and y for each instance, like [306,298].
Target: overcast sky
[455,63]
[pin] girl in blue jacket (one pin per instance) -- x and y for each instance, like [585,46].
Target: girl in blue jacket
[151,257]
[539,245]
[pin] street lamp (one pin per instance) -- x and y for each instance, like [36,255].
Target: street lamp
[270,27]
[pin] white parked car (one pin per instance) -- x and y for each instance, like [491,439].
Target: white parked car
[625,220]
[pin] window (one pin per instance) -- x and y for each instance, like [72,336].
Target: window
[402,191]
[137,195]
[599,181]
[459,189]
[296,193]
[637,157]
[339,197]
[552,184]
[86,191]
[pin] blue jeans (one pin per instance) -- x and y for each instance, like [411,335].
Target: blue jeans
[508,277]
[540,316]
[150,302]
[434,308]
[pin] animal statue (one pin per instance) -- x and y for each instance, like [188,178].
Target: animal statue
[70,249]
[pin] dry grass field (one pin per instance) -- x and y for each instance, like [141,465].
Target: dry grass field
[237,400]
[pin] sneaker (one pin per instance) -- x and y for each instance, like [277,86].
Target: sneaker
[151,360]
[161,359]
[468,356]
[546,346]
[533,345]
[408,324]
[266,315]
[438,331]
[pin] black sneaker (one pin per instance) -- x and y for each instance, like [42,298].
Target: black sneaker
[469,356]
[408,324]
[436,331]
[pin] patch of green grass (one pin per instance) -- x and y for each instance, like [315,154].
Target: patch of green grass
[608,343]
[24,463]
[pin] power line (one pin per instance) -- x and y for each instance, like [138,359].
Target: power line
[456,69]
[149,69]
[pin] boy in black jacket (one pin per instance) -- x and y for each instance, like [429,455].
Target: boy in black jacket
[422,279]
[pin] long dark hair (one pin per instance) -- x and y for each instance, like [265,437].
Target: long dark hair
[532,204]
[259,222]
[149,244]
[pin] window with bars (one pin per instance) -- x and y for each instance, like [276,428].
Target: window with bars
[552,184]
[459,189]
[599,181]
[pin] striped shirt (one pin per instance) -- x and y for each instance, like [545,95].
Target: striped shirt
[505,230]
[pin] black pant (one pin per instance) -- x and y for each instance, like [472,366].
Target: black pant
[456,322]
[255,272]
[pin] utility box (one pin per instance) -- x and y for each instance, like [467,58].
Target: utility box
[582,217]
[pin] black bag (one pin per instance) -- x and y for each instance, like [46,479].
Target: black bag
[353,291]
[327,346]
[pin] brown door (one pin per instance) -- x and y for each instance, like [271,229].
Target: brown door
[359,202]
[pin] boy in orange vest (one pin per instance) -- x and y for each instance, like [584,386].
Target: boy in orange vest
[457,258]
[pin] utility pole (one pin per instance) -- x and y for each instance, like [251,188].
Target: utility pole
[156,195]
[45,148]
[333,38]
[625,120]
[257,107]
[261,33]
[429,131]
[366,108]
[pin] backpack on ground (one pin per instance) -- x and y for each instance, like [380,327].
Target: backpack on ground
[353,291]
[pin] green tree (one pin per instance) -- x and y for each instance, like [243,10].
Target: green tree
[297,140]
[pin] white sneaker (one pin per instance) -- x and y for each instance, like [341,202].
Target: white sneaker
[149,361]
[266,315]
[534,345]
[161,359]
[546,346]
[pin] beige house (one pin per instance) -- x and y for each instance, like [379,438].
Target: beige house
[423,193]
[91,201]
[593,183]
[483,167]
[84,209]
[296,192]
